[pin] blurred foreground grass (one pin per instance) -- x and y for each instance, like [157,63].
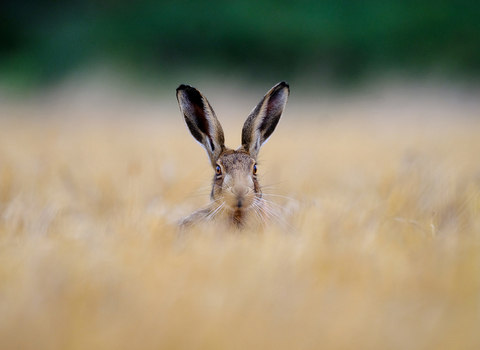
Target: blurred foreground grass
[383,251]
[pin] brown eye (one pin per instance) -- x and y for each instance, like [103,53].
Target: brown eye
[255,169]
[218,170]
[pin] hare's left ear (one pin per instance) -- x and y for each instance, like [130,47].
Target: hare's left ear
[264,118]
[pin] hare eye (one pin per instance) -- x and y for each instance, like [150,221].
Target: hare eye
[218,170]
[255,169]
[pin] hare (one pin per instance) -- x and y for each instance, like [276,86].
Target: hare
[236,194]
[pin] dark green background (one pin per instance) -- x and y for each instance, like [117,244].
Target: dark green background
[314,41]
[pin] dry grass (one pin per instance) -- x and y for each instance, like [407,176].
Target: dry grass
[383,252]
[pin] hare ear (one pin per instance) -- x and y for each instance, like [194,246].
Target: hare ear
[264,118]
[201,121]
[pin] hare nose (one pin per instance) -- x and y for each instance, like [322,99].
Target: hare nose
[239,190]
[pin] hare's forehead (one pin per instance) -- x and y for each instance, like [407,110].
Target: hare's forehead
[236,160]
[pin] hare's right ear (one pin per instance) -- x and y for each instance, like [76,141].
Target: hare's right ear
[201,121]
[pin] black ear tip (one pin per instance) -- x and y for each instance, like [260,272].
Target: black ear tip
[187,88]
[281,85]
[183,87]
[191,93]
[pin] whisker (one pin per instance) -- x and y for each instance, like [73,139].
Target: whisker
[277,195]
[256,209]
[212,214]
[279,206]
[258,203]
[207,212]
[202,188]
[261,177]
[271,216]
[199,195]
[201,181]
[275,183]
[278,218]
[205,217]
[209,203]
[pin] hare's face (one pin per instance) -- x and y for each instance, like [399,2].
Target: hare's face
[235,181]
[235,187]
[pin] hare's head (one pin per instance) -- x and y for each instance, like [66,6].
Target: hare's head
[236,191]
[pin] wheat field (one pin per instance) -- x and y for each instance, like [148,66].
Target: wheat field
[378,245]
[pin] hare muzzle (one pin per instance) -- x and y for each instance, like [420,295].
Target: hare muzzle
[241,196]
[240,191]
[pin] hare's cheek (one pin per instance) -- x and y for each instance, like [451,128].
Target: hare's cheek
[218,185]
[256,187]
